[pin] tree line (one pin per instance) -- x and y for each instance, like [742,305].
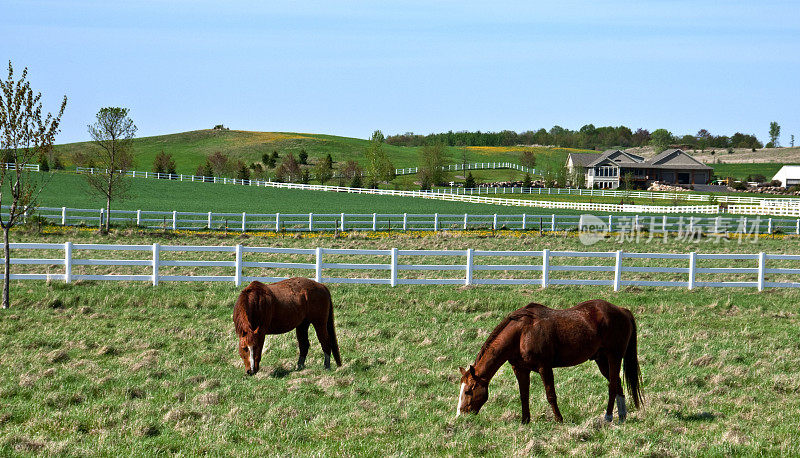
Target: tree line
[587,137]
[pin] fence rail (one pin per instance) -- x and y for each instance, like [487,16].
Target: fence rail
[446,196]
[310,222]
[394,267]
[28,167]
[679,196]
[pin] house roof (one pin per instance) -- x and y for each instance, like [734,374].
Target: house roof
[788,171]
[669,159]
[583,159]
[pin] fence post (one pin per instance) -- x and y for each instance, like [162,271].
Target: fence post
[318,266]
[102,211]
[174,220]
[545,267]
[209,220]
[769,226]
[244,222]
[618,270]
[664,224]
[762,262]
[466,216]
[67,262]
[524,221]
[156,260]
[797,230]
[138,218]
[610,222]
[468,267]
[310,222]
[393,278]
[692,268]
[374,222]
[494,222]
[64,217]
[553,223]
[435,222]
[405,221]
[237,274]
[277,222]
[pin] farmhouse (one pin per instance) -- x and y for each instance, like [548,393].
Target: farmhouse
[788,175]
[606,170]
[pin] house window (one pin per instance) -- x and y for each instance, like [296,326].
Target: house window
[606,171]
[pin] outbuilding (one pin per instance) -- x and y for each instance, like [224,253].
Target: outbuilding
[788,175]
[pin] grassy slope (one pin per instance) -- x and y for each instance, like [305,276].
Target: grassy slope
[147,194]
[102,368]
[71,190]
[190,149]
[741,171]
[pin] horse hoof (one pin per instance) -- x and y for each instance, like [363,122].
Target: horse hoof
[608,418]
[622,418]
[300,367]
[328,367]
[559,420]
[525,421]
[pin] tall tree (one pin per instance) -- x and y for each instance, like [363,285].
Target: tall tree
[431,161]
[24,134]
[660,139]
[164,163]
[527,159]
[774,133]
[323,170]
[379,167]
[113,133]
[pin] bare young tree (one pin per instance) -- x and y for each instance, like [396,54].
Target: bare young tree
[113,134]
[24,134]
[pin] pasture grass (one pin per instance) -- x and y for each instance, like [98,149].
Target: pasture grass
[102,368]
[742,170]
[190,149]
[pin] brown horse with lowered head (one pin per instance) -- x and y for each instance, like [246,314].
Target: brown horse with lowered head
[537,338]
[278,308]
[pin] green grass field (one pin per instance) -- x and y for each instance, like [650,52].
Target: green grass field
[119,369]
[189,149]
[71,190]
[741,171]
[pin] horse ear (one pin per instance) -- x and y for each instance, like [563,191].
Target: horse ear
[255,331]
[472,369]
[462,370]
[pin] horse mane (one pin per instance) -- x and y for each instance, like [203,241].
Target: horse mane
[525,312]
[247,307]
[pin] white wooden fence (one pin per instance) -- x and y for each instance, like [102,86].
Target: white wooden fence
[537,267]
[28,167]
[446,196]
[302,222]
[679,196]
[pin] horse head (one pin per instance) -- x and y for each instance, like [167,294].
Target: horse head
[474,392]
[251,342]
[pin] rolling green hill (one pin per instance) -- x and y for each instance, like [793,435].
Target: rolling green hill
[190,149]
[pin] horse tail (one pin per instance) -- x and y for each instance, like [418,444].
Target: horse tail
[630,366]
[332,334]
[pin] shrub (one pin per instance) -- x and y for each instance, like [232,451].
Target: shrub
[43,165]
[302,157]
[57,165]
[756,177]
[470,181]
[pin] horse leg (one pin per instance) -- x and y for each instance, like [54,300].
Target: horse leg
[302,342]
[602,364]
[524,380]
[550,390]
[324,341]
[615,386]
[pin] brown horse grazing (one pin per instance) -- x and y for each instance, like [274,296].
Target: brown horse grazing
[537,338]
[279,307]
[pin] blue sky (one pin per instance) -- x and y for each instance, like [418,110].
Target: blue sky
[350,67]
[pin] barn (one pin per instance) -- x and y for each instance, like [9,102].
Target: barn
[788,175]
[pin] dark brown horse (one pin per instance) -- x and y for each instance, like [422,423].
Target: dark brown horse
[537,338]
[279,307]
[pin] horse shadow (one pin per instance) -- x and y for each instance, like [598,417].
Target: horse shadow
[693,417]
[280,372]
